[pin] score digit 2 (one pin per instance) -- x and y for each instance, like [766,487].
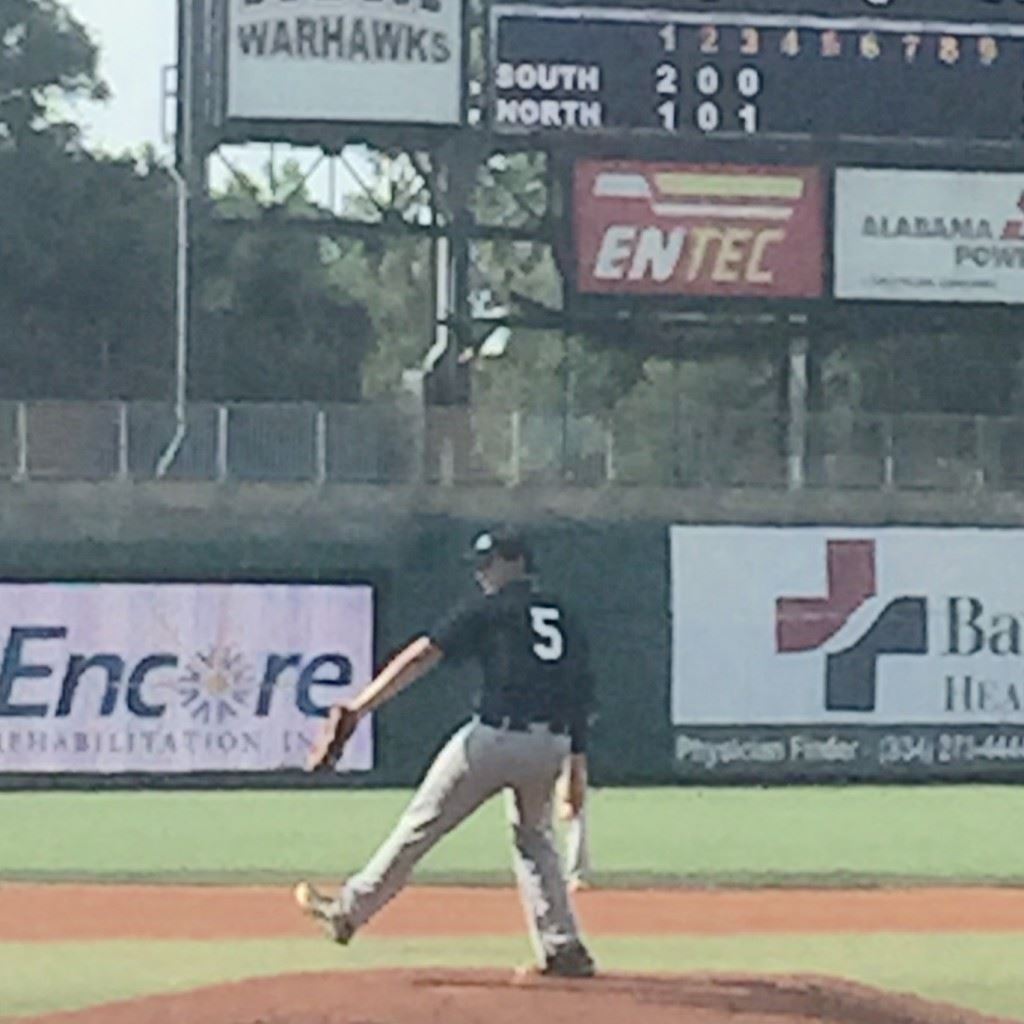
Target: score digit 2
[666,84]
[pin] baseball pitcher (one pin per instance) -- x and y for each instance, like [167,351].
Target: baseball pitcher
[531,718]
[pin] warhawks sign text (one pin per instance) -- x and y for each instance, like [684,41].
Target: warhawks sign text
[362,61]
[373,34]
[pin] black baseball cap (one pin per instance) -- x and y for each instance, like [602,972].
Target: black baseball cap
[504,541]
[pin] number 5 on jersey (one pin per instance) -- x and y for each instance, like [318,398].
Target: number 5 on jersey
[549,642]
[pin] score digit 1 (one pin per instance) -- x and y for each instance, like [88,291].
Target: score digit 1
[748,85]
[667,80]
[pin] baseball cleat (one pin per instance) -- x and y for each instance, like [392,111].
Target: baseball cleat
[573,961]
[327,911]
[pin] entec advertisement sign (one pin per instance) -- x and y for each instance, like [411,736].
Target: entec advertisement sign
[700,230]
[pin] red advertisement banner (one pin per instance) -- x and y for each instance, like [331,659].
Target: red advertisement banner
[698,229]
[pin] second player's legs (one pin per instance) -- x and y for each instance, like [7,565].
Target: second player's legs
[577,848]
[538,868]
[454,786]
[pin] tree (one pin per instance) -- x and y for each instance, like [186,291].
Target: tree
[44,54]
[86,268]
[86,275]
[274,322]
[391,274]
[938,372]
[392,280]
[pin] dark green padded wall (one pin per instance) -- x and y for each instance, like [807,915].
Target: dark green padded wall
[614,575]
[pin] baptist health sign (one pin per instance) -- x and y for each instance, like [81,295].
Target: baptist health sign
[347,61]
[838,626]
[178,677]
[929,236]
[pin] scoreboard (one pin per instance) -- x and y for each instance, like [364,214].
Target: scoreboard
[690,71]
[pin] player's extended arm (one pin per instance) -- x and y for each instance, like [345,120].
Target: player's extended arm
[412,662]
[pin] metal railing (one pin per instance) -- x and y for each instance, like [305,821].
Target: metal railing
[391,443]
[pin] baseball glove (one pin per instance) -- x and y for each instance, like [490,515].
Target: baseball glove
[329,746]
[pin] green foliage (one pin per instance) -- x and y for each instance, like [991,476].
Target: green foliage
[87,288]
[87,261]
[392,275]
[392,281]
[86,257]
[938,373]
[44,54]
[86,274]
[610,377]
[272,322]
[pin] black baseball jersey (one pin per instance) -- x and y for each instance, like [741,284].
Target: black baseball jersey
[534,658]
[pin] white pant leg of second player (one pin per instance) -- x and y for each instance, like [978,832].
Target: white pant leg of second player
[577,849]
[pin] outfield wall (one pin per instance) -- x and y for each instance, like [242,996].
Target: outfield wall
[413,579]
[608,558]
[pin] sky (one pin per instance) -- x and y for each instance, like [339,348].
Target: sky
[136,40]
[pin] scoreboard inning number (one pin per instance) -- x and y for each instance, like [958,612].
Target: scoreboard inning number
[596,69]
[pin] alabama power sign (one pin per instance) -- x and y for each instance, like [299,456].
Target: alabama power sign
[698,230]
[114,678]
[929,236]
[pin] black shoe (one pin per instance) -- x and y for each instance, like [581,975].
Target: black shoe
[569,962]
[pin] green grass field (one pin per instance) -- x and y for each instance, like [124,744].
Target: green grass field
[797,836]
[849,836]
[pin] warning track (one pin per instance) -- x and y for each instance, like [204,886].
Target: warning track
[34,912]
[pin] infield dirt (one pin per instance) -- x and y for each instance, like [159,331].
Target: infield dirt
[489,997]
[75,912]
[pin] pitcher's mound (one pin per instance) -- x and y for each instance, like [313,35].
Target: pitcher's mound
[490,997]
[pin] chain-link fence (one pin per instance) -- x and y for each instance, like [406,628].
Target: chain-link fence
[391,443]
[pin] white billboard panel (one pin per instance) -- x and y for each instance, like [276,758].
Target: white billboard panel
[824,625]
[115,678]
[348,61]
[929,236]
